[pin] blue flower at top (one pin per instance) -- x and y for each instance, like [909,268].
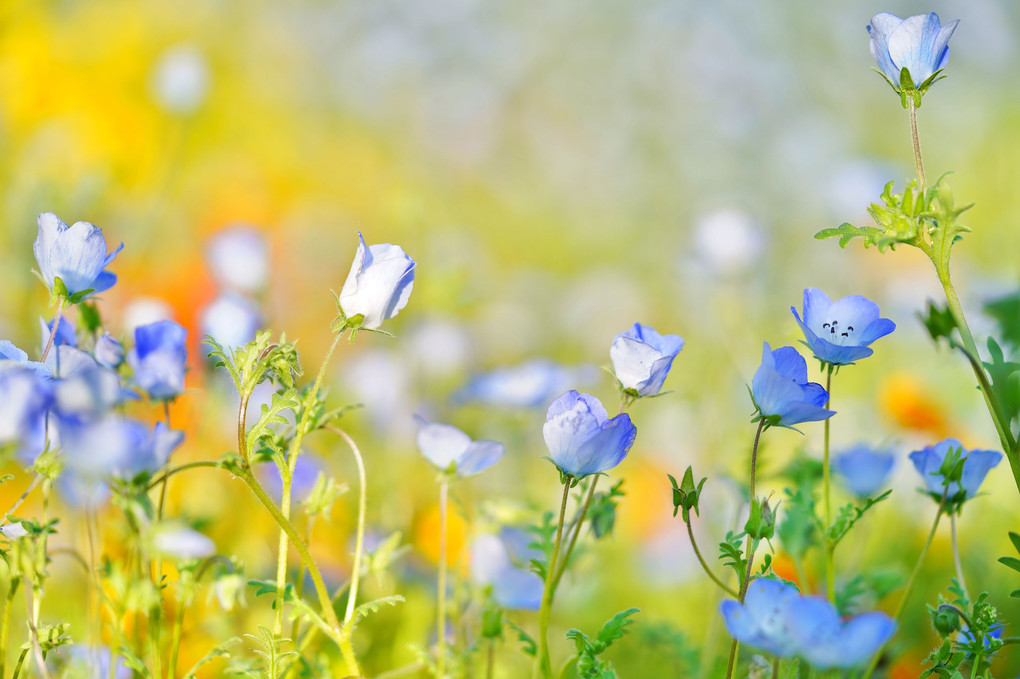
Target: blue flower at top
[864,469]
[976,467]
[642,358]
[840,332]
[824,640]
[232,320]
[581,437]
[761,620]
[75,254]
[160,358]
[919,43]
[781,392]
[444,445]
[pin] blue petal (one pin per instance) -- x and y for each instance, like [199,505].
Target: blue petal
[863,636]
[878,328]
[940,49]
[816,307]
[104,281]
[976,468]
[911,45]
[836,354]
[480,455]
[606,449]
[881,27]
[790,364]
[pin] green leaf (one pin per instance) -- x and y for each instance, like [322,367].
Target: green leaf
[1010,562]
[369,607]
[614,629]
[849,515]
[940,323]
[846,232]
[219,651]
[1005,377]
[529,647]
[132,661]
[1015,539]
[272,413]
[1006,312]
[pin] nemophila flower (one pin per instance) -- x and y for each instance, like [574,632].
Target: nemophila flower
[181,542]
[13,531]
[919,43]
[823,639]
[232,320]
[581,437]
[159,358]
[761,621]
[531,384]
[88,394]
[448,448]
[13,357]
[25,397]
[378,285]
[65,361]
[116,446]
[864,470]
[108,351]
[642,358]
[840,332]
[65,333]
[238,258]
[781,392]
[513,587]
[75,254]
[977,464]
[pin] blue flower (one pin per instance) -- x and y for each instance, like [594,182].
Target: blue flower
[13,357]
[75,254]
[445,446]
[761,620]
[825,641]
[531,384]
[108,351]
[159,358]
[88,394]
[840,332]
[781,392]
[581,437]
[378,285]
[232,320]
[238,258]
[642,358]
[115,446]
[918,43]
[26,397]
[975,468]
[306,473]
[864,470]
[513,587]
[65,333]
[65,361]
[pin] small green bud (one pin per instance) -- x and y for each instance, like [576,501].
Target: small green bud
[761,524]
[686,496]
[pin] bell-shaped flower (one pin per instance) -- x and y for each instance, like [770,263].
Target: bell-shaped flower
[642,358]
[761,620]
[976,465]
[160,358]
[581,437]
[826,641]
[513,588]
[781,392]
[864,470]
[839,332]
[65,333]
[13,357]
[531,384]
[238,258]
[108,352]
[919,43]
[378,285]
[232,320]
[448,448]
[75,254]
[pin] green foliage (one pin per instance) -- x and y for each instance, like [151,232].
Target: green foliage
[602,513]
[1006,312]
[1013,562]
[51,637]
[1005,376]
[589,666]
[761,522]
[218,651]
[261,433]
[850,514]
[940,323]
[269,648]
[544,542]
[529,647]
[732,554]
[800,525]
[944,661]
[369,607]
[686,496]
[324,493]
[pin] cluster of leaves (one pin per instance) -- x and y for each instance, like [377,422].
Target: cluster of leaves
[971,632]
[602,513]
[587,661]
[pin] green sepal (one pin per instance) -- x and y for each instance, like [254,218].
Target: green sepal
[686,496]
[761,524]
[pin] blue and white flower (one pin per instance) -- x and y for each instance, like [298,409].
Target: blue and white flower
[839,332]
[864,470]
[761,620]
[378,285]
[781,392]
[581,437]
[977,464]
[823,639]
[448,448]
[160,358]
[108,352]
[513,587]
[919,43]
[75,254]
[642,358]
[232,320]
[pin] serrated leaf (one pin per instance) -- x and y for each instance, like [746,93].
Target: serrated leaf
[1015,539]
[132,661]
[369,607]
[614,629]
[272,414]
[219,651]
[846,232]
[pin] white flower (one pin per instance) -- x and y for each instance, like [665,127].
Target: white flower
[379,283]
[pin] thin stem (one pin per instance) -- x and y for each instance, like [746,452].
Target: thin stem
[775,668]
[722,585]
[184,467]
[918,163]
[754,458]
[578,525]
[171,672]
[21,498]
[956,557]
[910,586]
[490,665]
[359,539]
[33,630]
[5,625]
[543,665]
[441,592]
[830,548]
[325,600]
[53,332]
[21,660]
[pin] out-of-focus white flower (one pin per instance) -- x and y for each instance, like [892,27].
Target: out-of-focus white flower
[231,319]
[727,241]
[181,542]
[143,311]
[238,258]
[180,79]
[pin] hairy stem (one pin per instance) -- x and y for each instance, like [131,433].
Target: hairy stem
[918,163]
[956,557]
[830,548]
[543,665]
[578,525]
[53,332]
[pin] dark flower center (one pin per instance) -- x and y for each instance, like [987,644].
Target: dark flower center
[835,331]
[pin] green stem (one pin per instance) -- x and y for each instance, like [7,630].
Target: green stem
[21,660]
[171,672]
[722,585]
[830,548]
[184,467]
[910,586]
[5,625]
[543,665]
[490,665]
[53,332]
[918,163]
[313,570]
[441,591]
[578,524]
[359,539]
[974,667]
[956,557]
